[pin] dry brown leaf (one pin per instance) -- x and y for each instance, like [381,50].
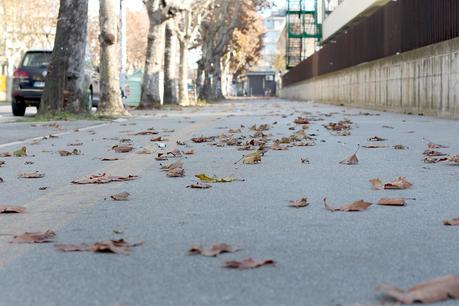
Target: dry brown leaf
[374,146]
[432,145]
[399,147]
[212,251]
[122,148]
[189,152]
[5,154]
[36,237]
[7,209]
[278,147]
[359,205]
[399,183]
[201,139]
[434,160]
[144,151]
[247,263]
[109,159]
[376,138]
[432,153]
[68,153]
[176,172]
[435,290]
[392,201]
[454,221]
[454,160]
[252,158]
[299,203]
[351,160]
[31,175]
[199,186]
[159,138]
[175,153]
[376,183]
[177,164]
[147,132]
[2,162]
[103,178]
[110,246]
[301,120]
[122,196]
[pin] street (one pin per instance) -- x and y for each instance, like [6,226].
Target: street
[321,257]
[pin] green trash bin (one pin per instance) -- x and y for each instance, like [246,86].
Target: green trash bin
[134,88]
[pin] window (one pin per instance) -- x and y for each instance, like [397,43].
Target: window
[36,59]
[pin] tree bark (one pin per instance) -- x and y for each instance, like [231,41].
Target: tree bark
[110,93]
[183,75]
[65,88]
[170,65]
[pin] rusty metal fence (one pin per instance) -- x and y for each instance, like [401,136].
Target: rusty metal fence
[397,27]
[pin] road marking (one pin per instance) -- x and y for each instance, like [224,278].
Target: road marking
[56,209]
[30,140]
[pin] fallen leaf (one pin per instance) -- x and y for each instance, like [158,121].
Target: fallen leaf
[109,159]
[399,183]
[189,152]
[434,160]
[374,146]
[122,196]
[359,205]
[247,263]
[376,138]
[199,186]
[177,164]
[399,147]
[301,120]
[351,160]
[103,178]
[252,158]
[376,183]
[5,209]
[278,147]
[67,153]
[454,160]
[31,175]
[36,237]
[299,203]
[175,153]
[147,132]
[454,221]
[159,138]
[435,290]
[433,153]
[201,139]
[432,145]
[75,144]
[176,172]
[305,161]
[122,148]
[2,162]
[110,246]
[392,201]
[22,152]
[212,251]
[204,178]
[1,180]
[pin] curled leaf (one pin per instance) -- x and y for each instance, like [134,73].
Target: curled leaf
[400,183]
[122,148]
[351,160]
[299,203]
[204,178]
[6,209]
[35,237]
[359,205]
[252,158]
[435,290]
[199,186]
[247,263]
[31,175]
[376,138]
[212,251]
[104,178]
[392,201]
[110,246]
[454,221]
[122,196]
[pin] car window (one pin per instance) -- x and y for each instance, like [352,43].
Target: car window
[36,59]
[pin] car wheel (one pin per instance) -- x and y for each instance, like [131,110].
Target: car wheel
[18,108]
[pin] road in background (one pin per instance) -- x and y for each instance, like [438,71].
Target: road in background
[322,258]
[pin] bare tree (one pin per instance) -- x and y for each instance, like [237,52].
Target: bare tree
[159,11]
[170,65]
[187,30]
[110,99]
[64,89]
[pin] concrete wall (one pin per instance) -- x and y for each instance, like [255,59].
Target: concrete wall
[423,81]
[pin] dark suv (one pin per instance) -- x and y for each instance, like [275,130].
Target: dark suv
[29,81]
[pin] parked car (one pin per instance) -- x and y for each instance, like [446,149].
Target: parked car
[29,81]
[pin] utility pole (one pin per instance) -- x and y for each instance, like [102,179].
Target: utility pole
[123,50]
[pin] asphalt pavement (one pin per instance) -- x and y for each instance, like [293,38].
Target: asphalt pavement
[321,257]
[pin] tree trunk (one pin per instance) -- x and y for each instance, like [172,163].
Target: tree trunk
[170,65]
[216,92]
[110,92]
[183,75]
[65,88]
